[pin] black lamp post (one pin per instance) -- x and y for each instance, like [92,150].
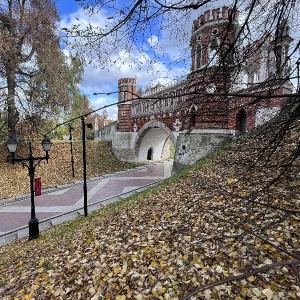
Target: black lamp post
[89,125]
[71,145]
[298,74]
[29,163]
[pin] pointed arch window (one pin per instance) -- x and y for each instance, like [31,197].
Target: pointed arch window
[193,114]
[279,55]
[198,56]
[213,51]
[124,96]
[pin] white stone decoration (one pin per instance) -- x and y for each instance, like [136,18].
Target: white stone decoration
[177,125]
[134,127]
[211,88]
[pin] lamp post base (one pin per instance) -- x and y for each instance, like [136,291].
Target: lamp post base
[33,228]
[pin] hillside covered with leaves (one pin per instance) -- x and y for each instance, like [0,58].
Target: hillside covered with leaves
[14,179]
[228,228]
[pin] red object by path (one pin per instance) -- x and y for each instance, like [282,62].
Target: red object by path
[37,186]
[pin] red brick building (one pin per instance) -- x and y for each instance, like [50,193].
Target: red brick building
[231,88]
[214,74]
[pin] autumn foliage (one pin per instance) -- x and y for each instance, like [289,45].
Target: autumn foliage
[14,179]
[228,228]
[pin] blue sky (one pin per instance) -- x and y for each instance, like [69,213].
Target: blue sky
[156,52]
[65,7]
[105,80]
[92,81]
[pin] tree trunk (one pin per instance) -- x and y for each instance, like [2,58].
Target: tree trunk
[12,115]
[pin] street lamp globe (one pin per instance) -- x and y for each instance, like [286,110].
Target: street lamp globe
[46,143]
[12,145]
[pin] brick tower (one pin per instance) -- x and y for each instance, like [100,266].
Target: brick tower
[127,93]
[213,36]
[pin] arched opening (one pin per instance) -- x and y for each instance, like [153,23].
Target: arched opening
[198,56]
[193,115]
[213,52]
[150,154]
[241,121]
[154,142]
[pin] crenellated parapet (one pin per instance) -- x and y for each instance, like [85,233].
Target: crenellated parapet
[127,81]
[213,35]
[224,13]
[127,89]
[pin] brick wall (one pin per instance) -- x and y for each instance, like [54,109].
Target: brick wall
[200,101]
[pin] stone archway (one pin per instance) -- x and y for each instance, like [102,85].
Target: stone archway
[152,140]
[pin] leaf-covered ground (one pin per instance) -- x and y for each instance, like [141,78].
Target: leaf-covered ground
[14,179]
[226,229]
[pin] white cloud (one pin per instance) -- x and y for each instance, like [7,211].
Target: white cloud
[153,41]
[155,58]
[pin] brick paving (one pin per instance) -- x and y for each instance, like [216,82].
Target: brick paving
[66,202]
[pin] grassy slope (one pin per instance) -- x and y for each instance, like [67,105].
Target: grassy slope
[14,180]
[208,226]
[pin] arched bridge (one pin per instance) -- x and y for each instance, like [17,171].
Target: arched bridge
[214,102]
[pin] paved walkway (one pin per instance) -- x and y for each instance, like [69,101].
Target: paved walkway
[64,203]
